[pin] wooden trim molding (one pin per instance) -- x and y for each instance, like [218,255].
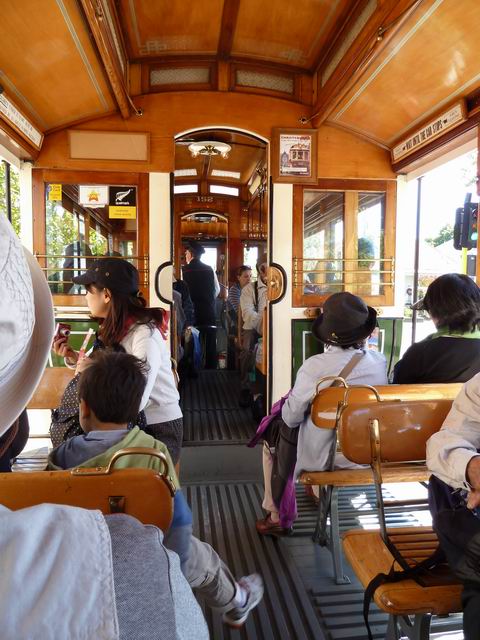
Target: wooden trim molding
[94,13]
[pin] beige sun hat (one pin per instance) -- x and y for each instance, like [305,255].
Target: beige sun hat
[26,325]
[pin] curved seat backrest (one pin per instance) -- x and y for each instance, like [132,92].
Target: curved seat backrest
[144,493]
[400,428]
[327,401]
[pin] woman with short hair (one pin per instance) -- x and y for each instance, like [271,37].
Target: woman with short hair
[452,353]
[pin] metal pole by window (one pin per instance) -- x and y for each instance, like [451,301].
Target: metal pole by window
[8,191]
[417,256]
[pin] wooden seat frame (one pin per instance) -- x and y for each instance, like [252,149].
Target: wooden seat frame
[144,493]
[409,604]
[327,408]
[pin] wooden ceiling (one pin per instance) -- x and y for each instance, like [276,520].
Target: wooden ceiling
[378,68]
[281,31]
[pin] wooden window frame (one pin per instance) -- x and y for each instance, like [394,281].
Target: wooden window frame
[389,187]
[42,177]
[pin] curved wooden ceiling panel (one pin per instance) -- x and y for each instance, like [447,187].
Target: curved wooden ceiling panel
[48,64]
[284,31]
[159,27]
[434,60]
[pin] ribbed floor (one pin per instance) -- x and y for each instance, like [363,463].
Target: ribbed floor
[301,599]
[224,515]
[211,412]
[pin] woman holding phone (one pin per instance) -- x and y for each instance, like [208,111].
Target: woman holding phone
[114,299]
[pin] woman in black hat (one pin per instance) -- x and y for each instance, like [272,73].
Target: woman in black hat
[343,327]
[113,298]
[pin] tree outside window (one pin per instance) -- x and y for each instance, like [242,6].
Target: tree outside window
[15,195]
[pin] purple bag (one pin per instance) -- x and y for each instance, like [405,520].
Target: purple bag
[277,434]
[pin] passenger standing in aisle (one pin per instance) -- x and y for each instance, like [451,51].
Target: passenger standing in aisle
[114,299]
[204,288]
[253,301]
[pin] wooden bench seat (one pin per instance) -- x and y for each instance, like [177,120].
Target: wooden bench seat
[50,388]
[143,493]
[360,477]
[380,434]
[368,556]
[330,411]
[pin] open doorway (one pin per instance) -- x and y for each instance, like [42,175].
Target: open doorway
[220,226]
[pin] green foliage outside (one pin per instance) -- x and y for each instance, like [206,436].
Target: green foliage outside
[444,235]
[63,229]
[15,194]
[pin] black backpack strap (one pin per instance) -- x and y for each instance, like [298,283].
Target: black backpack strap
[414,573]
[255,295]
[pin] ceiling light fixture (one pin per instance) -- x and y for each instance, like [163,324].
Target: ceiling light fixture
[209,148]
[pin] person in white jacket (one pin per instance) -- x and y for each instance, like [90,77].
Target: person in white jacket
[453,458]
[253,301]
[113,298]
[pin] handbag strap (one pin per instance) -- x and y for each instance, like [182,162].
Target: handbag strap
[348,368]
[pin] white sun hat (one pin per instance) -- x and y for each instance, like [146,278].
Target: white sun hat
[26,325]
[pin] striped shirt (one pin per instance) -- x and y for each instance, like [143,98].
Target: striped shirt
[234,296]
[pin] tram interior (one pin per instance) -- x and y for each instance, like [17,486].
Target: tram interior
[220,201]
[132,129]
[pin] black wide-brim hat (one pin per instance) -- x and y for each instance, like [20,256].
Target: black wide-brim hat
[346,319]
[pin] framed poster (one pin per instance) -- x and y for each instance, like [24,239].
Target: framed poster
[294,155]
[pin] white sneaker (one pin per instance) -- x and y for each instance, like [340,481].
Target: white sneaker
[237,616]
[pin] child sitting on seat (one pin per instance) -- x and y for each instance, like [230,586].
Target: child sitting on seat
[110,390]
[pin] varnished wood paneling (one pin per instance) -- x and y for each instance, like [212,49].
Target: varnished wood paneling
[162,27]
[40,56]
[285,31]
[343,155]
[340,154]
[436,58]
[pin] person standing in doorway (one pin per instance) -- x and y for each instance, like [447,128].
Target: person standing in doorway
[204,288]
[253,300]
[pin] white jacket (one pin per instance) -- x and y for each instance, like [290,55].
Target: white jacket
[450,450]
[314,443]
[160,398]
[252,317]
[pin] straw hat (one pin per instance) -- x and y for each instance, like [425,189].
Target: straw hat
[26,325]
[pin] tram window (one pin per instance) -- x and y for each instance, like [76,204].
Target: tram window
[185,188]
[76,233]
[340,244]
[250,257]
[228,191]
[323,242]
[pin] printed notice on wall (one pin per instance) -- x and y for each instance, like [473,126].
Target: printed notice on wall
[54,192]
[14,117]
[123,203]
[93,195]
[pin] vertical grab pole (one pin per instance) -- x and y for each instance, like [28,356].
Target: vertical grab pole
[417,256]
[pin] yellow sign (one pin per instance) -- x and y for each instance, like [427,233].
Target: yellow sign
[55,192]
[126,213]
